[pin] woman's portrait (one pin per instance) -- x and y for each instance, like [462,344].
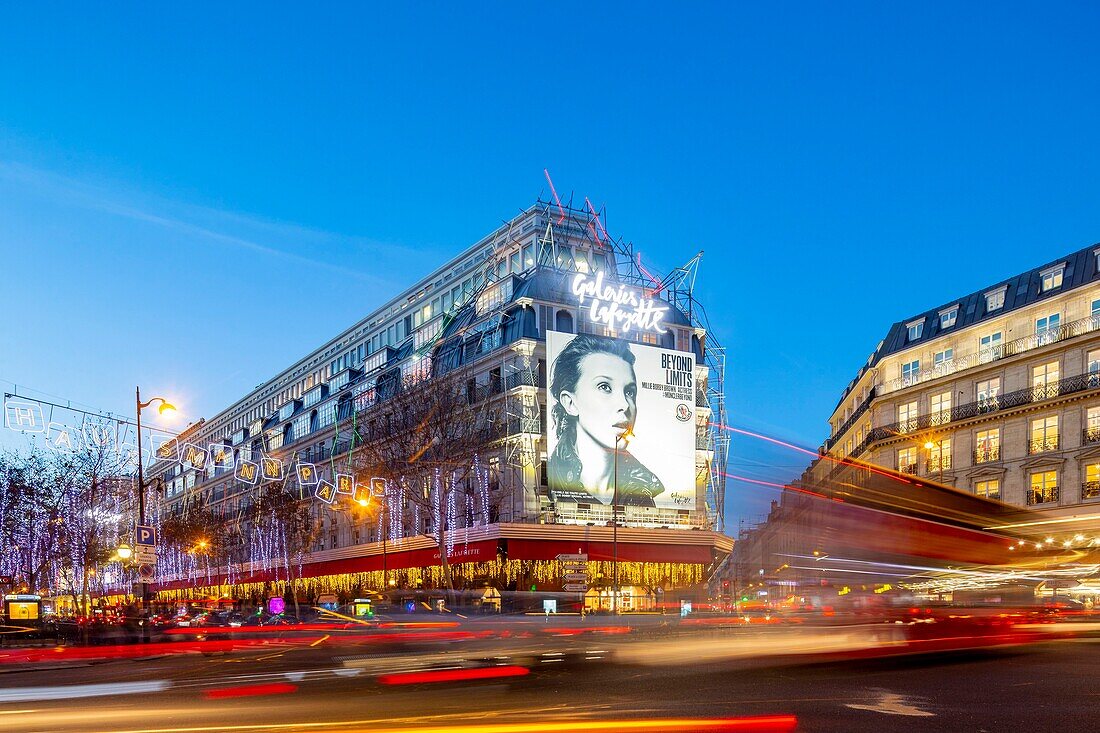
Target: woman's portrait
[596,393]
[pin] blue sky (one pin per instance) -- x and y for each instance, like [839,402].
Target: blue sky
[192,198]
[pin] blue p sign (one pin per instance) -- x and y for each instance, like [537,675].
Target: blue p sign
[145,535]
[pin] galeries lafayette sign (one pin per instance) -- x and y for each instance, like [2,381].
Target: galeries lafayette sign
[618,306]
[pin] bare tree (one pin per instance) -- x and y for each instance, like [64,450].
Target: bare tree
[427,433]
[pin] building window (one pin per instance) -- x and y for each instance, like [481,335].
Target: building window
[1044,435]
[939,456]
[990,347]
[1092,362]
[907,460]
[1095,311]
[1046,329]
[942,360]
[1052,278]
[1091,488]
[990,489]
[1092,425]
[988,392]
[909,372]
[988,446]
[1043,487]
[941,408]
[995,299]
[949,316]
[916,328]
[1044,381]
[907,417]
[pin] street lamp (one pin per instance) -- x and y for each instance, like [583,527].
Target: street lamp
[124,552]
[928,446]
[625,437]
[165,406]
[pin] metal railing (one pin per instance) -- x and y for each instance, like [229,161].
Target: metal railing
[851,419]
[1090,490]
[985,356]
[1090,435]
[1042,496]
[1029,395]
[985,455]
[1042,445]
[907,468]
[939,464]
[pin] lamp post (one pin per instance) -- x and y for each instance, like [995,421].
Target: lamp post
[929,445]
[625,437]
[165,406]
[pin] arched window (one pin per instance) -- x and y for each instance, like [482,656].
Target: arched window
[563,321]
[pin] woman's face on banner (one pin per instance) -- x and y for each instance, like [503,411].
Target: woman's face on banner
[605,398]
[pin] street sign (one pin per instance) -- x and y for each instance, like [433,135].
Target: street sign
[146,571]
[575,557]
[574,587]
[146,535]
[574,567]
[575,578]
[145,555]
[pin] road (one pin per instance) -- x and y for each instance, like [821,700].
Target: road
[336,686]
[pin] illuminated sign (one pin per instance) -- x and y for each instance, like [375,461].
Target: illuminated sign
[165,446]
[195,456]
[62,438]
[618,306]
[221,455]
[325,491]
[248,472]
[362,494]
[98,436]
[307,474]
[24,416]
[345,484]
[271,469]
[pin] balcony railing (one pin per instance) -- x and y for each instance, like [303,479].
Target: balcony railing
[936,465]
[1042,496]
[985,356]
[851,419]
[1042,445]
[1090,435]
[1090,490]
[1069,385]
[985,455]
[907,468]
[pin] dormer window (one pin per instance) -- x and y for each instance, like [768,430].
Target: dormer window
[916,328]
[995,299]
[1052,277]
[948,316]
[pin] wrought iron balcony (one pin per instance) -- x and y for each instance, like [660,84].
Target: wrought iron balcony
[851,419]
[987,355]
[1090,435]
[1042,496]
[1090,490]
[935,465]
[1008,400]
[985,455]
[1042,445]
[907,468]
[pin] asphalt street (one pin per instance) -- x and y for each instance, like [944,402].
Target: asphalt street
[333,686]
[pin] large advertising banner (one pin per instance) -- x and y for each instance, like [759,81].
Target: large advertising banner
[601,388]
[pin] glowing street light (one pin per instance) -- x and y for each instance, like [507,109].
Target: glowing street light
[124,552]
[625,437]
[165,406]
